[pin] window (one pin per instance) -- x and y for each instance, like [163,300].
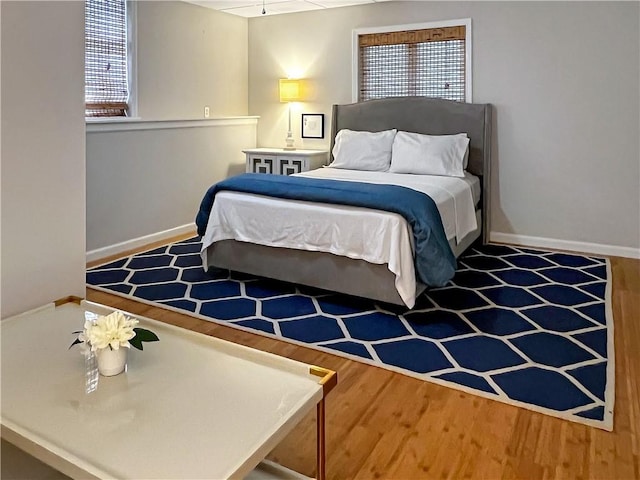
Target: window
[432,60]
[106,59]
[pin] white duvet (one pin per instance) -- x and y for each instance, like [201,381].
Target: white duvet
[372,235]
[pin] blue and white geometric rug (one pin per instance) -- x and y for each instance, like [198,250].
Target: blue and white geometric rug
[525,327]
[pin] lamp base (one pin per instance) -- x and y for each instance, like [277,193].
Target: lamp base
[289,142]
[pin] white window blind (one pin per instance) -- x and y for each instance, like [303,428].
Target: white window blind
[427,62]
[106,76]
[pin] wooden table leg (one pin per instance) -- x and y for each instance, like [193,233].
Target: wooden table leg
[320,452]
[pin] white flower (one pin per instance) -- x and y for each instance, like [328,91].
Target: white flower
[114,330]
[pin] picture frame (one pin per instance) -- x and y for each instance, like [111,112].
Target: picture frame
[313,125]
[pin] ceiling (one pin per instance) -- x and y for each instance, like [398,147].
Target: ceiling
[253,8]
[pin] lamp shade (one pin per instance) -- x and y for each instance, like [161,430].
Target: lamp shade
[290,90]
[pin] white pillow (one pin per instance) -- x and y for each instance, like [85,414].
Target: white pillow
[355,150]
[465,160]
[429,154]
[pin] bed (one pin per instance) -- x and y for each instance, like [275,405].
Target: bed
[338,270]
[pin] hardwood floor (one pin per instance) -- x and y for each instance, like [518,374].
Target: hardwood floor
[385,425]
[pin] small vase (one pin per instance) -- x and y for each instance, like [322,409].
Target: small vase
[111,362]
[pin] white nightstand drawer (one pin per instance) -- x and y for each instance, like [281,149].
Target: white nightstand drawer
[284,162]
[262,164]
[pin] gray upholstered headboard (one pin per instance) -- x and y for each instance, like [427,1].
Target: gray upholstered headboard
[431,116]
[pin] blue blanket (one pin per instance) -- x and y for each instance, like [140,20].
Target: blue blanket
[435,263]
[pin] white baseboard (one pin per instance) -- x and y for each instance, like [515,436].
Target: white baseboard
[499,237]
[556,244]
[129,245]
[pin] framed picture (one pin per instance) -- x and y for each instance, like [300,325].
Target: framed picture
[313,125]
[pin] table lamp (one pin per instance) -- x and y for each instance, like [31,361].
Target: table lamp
[290,91]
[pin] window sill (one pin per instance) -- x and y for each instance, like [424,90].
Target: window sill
[133,123]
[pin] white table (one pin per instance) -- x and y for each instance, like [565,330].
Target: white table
[189,406]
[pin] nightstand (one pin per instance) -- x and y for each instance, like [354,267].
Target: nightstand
[284,162]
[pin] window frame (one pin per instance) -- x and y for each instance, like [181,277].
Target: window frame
[355,52]
[132,57]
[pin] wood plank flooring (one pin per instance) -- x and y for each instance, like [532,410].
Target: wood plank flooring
[384,425]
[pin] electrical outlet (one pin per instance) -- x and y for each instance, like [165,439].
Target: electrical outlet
[206,111]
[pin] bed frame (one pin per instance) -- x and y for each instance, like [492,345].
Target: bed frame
[358,277]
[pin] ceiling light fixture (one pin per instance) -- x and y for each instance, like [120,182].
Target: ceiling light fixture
[264,11]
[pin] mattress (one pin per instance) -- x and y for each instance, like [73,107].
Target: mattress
[374,236]
[455,197]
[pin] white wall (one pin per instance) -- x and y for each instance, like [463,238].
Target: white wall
[0,157]
[143,183]
[188,57]
[43,153]
[563,77]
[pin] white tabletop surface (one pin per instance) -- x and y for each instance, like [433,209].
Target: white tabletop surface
[189,406]
[282,151]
